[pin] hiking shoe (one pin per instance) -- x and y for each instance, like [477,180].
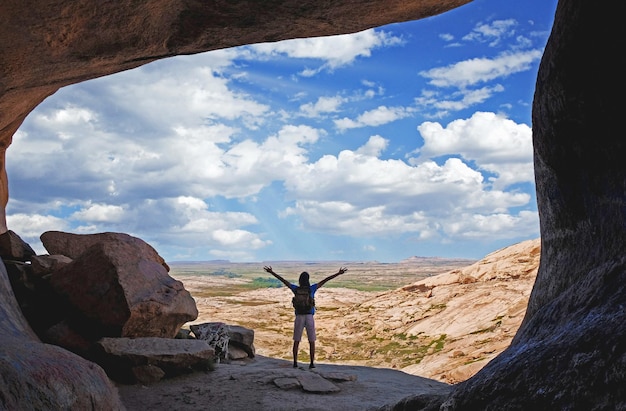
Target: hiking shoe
[295,366]
[312,366]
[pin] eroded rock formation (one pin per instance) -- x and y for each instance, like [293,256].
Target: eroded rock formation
[120,289]
[570,351]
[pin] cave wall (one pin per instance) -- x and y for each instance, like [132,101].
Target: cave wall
[570,351]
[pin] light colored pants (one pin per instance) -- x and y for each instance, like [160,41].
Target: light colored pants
[301,322]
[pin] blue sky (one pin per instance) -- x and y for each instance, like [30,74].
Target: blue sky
[408,139]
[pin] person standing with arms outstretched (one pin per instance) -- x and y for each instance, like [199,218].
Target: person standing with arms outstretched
[304,320]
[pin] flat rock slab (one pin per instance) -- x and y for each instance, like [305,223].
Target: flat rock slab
[287,383]
[312,382]
[161,352]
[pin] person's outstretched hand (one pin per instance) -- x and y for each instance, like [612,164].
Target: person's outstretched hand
[268,268]
[342,270]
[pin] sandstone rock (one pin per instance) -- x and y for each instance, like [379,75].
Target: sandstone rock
[12,247]
[311,382]
[242,338]
[117,291]
[287,383]
[39,304]
[235,353]
[64,335]
[421,402]
[73,245]
[147,374]
[43,265]
[20,277]
[41,376]
[121,357]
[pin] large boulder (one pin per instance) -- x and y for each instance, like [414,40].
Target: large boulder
[12,247]
[40,376]
[74,245]
[116,290]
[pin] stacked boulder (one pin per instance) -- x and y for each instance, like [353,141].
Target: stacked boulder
[107,297]
[230,342]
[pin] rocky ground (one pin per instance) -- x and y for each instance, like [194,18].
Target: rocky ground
[444,328]
[253,386]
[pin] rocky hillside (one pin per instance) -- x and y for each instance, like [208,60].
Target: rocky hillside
[453,323]
[445,327]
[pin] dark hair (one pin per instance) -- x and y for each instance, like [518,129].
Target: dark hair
[304,279]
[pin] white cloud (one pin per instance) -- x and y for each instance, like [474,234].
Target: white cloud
[376,117]
[495,226]
[360,194]
[457,101]
[323,105]
[478,70]
[68,116]
[32,225]
[194,94]
[493,32]
[239,238]
[446,37]
[168,151]
[495,143]
[374,146]
[185,222]
[336,51]
[100,213]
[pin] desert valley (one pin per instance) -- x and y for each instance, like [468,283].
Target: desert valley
[437,318]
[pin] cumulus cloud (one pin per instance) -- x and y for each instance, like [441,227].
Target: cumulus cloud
[460,100]
[99,213]
[495,143]
[493,32]
[194,156]
[323,105]
[155,99]
[376,117]
[336,51]
[360,193]
[479,70]
[474,227]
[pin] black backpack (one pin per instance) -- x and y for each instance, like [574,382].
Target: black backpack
[302,301]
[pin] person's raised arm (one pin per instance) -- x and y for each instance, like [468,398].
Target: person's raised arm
[330,277]
[282,280]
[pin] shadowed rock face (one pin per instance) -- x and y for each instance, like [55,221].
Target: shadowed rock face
[570,352]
